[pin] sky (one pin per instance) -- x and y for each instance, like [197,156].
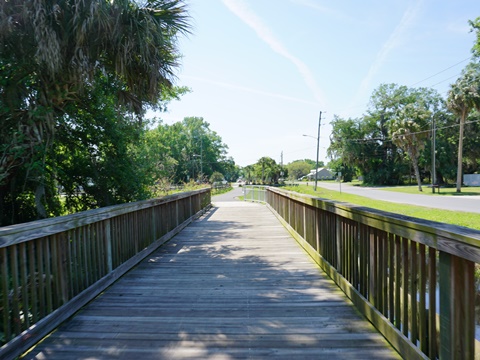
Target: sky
[261,71]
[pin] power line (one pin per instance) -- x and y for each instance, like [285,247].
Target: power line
[429,77]
[387,139]
[442,71]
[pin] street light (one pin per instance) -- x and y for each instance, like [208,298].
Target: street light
[318,148]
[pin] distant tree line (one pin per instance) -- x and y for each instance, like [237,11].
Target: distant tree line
[267,171]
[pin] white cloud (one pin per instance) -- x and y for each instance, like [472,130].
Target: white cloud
[250,90]
[241,10]
[395,39]
[313,4]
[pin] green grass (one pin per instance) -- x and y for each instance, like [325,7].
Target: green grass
[221,190]
[467,219]
[450,191]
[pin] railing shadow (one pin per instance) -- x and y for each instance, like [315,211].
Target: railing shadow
[221,289]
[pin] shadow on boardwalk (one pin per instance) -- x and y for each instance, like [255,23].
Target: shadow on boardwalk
[233,285]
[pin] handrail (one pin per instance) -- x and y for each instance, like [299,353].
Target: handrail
[254,193]
[412,278]
[50,268]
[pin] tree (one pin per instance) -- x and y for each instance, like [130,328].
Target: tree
[395,129]
[65,45]
[298,168]
[409,132]
[267,170]
[463,97]
[364,143]
[198,151]
[229,169]
[336,166]
[216,177]
[249,173]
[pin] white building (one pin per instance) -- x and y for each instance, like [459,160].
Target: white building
[322,174]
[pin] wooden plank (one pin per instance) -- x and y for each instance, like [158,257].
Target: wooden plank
[422,313]
[405,284]
[398,282]
[39,248]
[233,285]
[25,320]
[391,277]
[4,280]
[457,308]
[413,293]
[15,290]
[432,304]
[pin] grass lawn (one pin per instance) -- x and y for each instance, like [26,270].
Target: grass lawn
[450,191]
[471,220]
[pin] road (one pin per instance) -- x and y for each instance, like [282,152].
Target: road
[455,203]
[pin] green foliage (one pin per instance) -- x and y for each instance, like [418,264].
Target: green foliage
[348,172]
[195,151]
[475,24]
[221,190]
[267,171]
[216,177]
[395,132]
[463,97]
[72,96]
[298,168]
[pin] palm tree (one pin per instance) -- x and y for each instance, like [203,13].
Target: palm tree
[463,97]
[53,50]
[408,133]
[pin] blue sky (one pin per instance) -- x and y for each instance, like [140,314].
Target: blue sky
[260,71]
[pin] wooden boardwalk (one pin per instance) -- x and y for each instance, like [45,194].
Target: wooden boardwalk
[232,285]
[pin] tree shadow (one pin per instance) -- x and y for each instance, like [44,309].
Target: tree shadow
[221,289]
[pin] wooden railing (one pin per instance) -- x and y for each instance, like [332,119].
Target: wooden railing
[413,279]
[50,268]
[254,193]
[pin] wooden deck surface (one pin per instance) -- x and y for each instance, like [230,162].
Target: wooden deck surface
[232,285]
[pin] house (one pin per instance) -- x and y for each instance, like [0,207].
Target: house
[322,174]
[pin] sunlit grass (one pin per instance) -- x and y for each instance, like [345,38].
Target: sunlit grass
[471,220]
[427,190]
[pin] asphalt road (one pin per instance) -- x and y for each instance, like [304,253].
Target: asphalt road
[437,201]
[228,196]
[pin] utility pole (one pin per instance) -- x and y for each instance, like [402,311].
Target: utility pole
[434,170]
[201,156]
[318,148]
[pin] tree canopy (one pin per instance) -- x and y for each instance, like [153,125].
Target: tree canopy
[395,132]
[76,77]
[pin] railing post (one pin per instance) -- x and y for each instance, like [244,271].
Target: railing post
[176,213]
[154,226]
[457,307]
[339,242]
[108,245]
[372,270]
